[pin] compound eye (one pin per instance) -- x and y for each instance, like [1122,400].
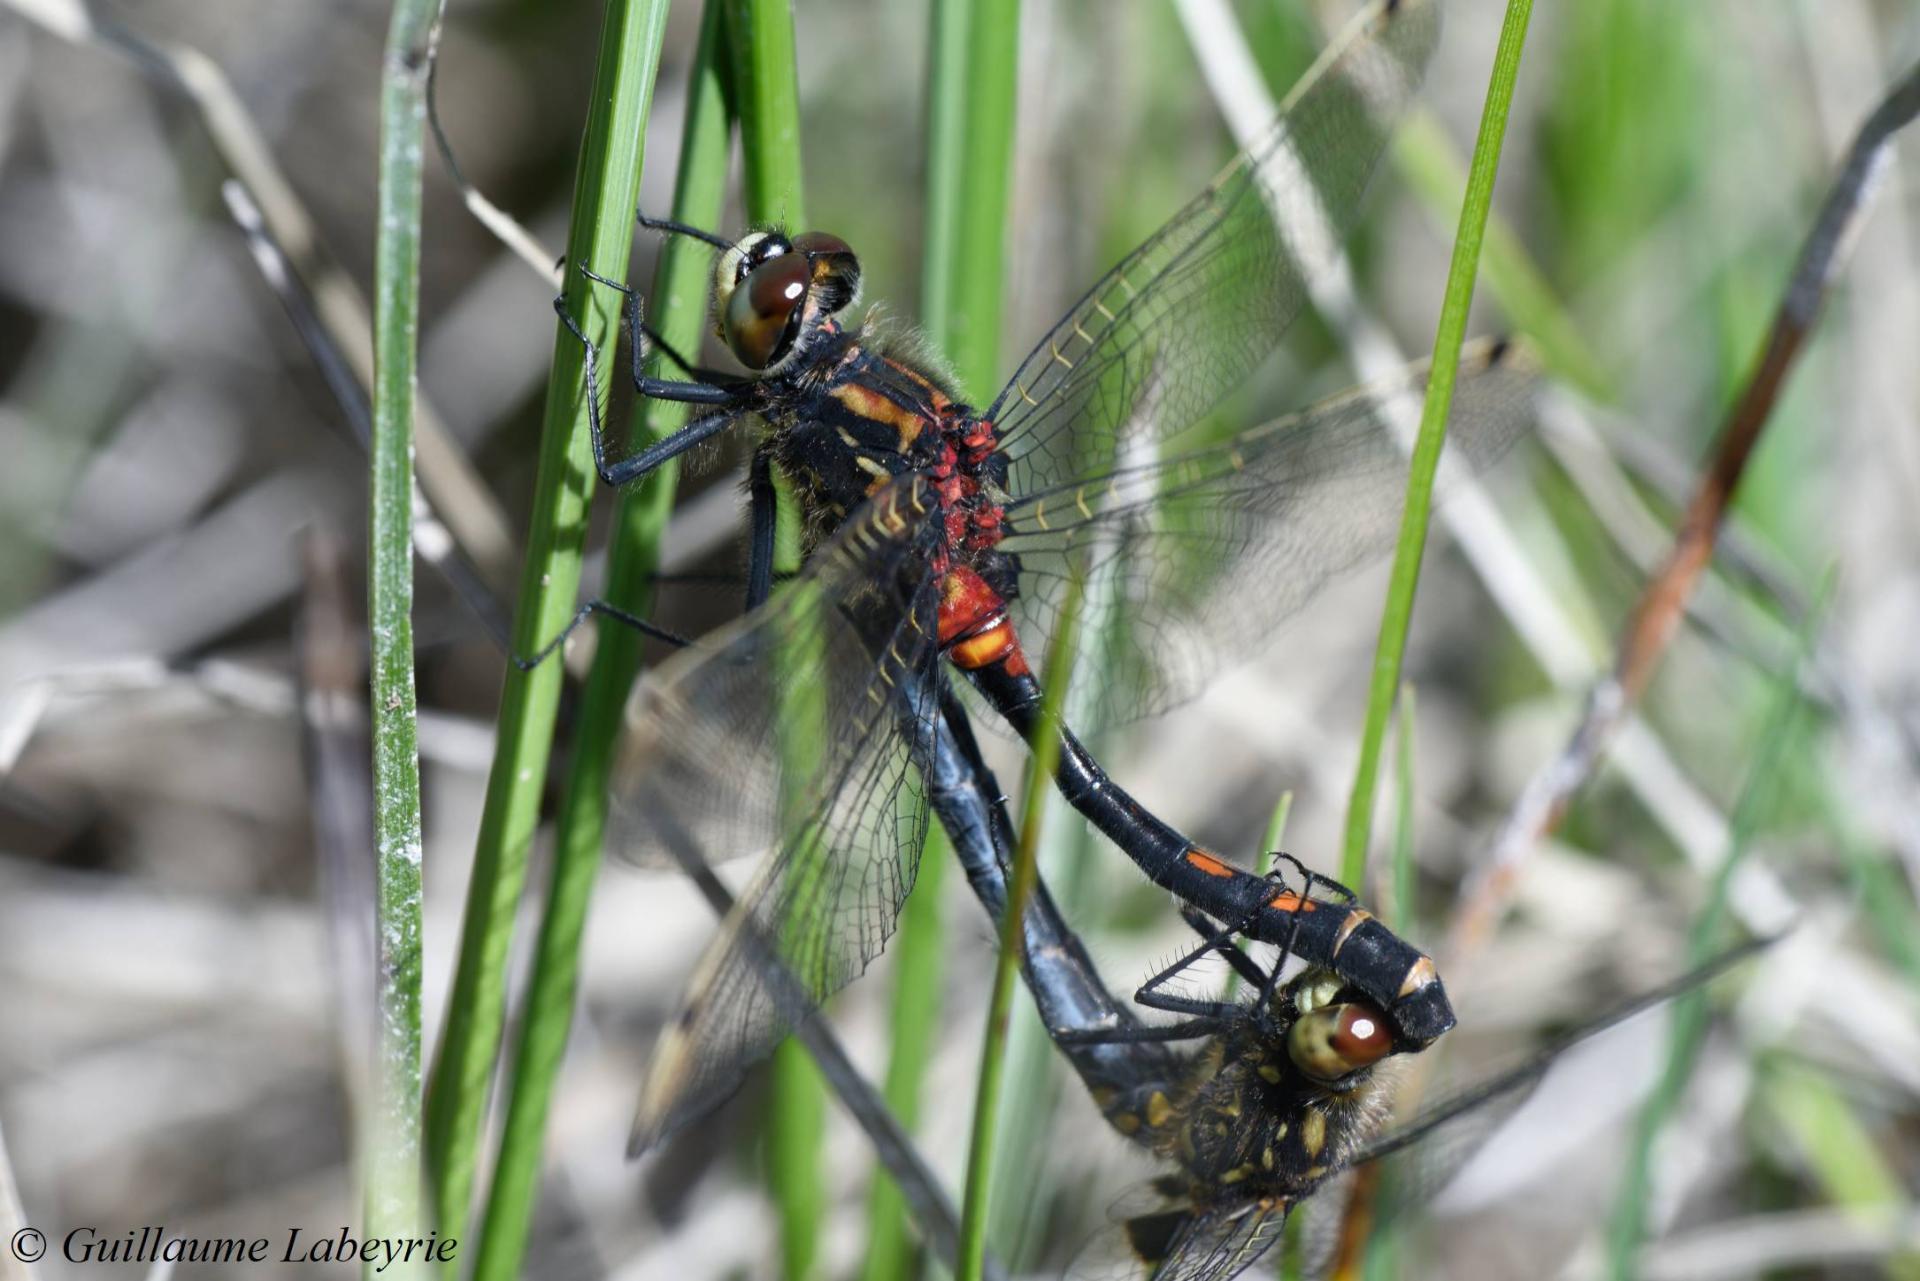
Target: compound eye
[835,270]
[1339,1040]
[763,314]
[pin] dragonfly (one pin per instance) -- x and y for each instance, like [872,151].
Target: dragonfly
[938,536]
[1274,1097]
[1280,1098]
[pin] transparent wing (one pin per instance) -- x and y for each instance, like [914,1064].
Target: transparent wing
[1176,1242]
[1205,300]
[1223,1242]
[794,737]
[1199,556]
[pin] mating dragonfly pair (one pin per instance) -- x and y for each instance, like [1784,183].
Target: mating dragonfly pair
[821,728]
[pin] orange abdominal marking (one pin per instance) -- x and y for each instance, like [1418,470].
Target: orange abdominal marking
[990,645]
[1288,901]
[1208,863]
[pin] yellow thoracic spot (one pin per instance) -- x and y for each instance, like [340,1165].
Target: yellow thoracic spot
[1158,1109]
[1269,1073]
[1313,1132]
[1126,1123]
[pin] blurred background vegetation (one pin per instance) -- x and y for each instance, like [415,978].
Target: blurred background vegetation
[171,1023]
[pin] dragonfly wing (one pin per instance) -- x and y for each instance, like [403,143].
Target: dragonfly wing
[793,737]
[1215,1244]
[1200,556]
[1171,1241]
[1206,298]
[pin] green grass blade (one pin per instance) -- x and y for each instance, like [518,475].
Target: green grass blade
[766,102]
[1762,790]
[1274,839]
[677,311]
[974,58]
[1840,1152]
[1397,616]
[392,1133]
[986,1108]
[1399,913]
[1427,159]
[601,236]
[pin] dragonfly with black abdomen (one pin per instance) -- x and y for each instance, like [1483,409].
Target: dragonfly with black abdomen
[939,536]
[1255,1105]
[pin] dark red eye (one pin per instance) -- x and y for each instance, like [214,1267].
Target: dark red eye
[1361,1035]
[821,242]
[763,313]
[835,270]
[1338,1040]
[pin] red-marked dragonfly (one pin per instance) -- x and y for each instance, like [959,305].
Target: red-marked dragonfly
[937,535]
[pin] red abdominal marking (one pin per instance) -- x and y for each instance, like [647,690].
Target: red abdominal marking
[974,627]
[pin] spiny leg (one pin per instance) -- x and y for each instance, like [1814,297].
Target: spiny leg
[1221,939]
[606,609]
[731,401]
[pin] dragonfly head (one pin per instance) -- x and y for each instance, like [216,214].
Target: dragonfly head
[771,293]
[1334,1033]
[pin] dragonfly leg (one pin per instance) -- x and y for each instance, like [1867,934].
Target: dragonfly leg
[1153,995]
[606,609]
[1185,1030]
[643,338]
[1221,940]
[760,528]
[675,227]
[1271,983]
[632,468]
[1309,878]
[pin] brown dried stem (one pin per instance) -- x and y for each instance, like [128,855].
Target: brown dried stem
[1655,617]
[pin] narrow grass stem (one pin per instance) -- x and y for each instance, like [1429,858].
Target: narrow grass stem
[766,102]
[600,236]
[1045,756]
[1397,616]
[676,311]
[391,1138]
